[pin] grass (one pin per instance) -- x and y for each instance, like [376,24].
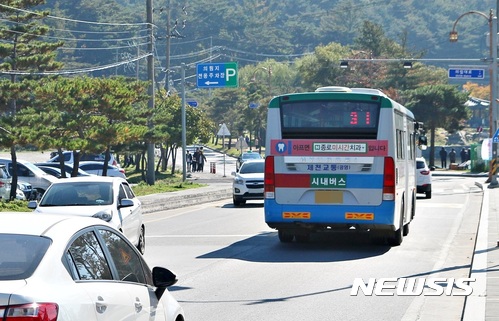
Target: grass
[165,182]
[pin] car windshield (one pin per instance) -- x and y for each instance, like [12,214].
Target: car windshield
[420,164]
[251,156]
[78,193]
[252,167]
[20,255]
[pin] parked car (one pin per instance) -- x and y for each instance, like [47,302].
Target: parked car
[108,198]
[248,182]
[29,173]
[423,174]
[96,168]
[27,190]
[67,167]
[247,156]
[77,268]
[69,157]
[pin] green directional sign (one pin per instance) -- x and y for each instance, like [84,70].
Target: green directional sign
[217,75]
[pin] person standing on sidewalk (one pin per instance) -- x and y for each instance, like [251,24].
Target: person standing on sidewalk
[201,160]
[188,159]
[443,158]
[195,157]
[452,156]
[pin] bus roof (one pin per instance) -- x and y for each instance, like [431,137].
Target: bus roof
[370,91]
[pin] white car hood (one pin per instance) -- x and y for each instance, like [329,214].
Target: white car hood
[251,176]
[88,210]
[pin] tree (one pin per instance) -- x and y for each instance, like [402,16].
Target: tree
[85,114]
[21,52]
[322,68]
[438,106]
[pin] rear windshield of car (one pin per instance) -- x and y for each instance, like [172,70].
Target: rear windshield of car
[20,255]
[420,164]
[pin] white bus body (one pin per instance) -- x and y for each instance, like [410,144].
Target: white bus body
[340,158]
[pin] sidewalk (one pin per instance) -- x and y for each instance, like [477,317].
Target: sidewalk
[217,187]
[483,304]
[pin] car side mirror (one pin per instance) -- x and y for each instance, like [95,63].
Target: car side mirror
[126,202]
[162,278]
[32,204]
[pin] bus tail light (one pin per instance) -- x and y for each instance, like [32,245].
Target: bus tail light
[389,180]
[269,180]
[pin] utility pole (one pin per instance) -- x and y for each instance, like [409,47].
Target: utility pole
[168,41]
[150,177]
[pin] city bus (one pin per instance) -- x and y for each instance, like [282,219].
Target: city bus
[340,159]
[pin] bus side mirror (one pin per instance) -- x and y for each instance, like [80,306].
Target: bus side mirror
[422,142]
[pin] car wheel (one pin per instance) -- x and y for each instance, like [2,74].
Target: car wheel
[285,237]
[302,238]
[237,201]
[397,237]
[141,245]
[405,232]
[428,194]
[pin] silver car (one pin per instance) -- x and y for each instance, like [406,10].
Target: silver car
[108,198]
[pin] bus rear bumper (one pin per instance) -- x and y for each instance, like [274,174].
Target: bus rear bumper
[334,218]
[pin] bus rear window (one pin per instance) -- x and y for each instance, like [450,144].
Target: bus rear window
[330,119]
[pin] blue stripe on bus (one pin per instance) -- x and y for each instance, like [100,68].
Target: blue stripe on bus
[329,214]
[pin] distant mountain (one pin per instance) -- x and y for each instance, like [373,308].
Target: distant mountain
[252,31]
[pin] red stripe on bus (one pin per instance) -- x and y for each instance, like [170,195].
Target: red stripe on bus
[295,180]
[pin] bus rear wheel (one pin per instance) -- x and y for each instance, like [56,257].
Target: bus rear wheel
[285,237]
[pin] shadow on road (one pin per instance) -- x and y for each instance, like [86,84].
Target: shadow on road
[323,247]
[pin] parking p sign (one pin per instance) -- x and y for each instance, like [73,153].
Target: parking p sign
[217,75]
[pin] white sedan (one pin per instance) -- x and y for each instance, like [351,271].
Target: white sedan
[108,198]
[70,268]
[97,168]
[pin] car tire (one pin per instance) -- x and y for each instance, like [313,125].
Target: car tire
[396,238]
[237,202]
[141,245]
[406,230]
[428,194]
[285,237]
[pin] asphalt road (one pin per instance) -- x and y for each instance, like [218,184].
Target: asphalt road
[231,266]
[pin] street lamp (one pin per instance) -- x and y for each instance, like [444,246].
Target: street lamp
[453,36]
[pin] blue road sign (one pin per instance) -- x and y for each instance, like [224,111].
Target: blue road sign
[253,105]
[217,75]
[192,103]
[466,73]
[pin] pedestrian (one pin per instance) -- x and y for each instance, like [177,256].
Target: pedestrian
[463,155]
[201,160]
[188,159]
[195,158]
[452,156]
[443,157]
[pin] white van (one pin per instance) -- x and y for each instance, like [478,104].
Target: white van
[28,172]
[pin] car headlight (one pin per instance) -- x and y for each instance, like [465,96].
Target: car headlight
[106,215]
[239,181]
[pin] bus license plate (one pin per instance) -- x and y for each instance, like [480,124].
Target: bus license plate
[359,216]
[322,197]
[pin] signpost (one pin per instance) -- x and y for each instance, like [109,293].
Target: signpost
[223,131]
[467,73]
[217,75]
